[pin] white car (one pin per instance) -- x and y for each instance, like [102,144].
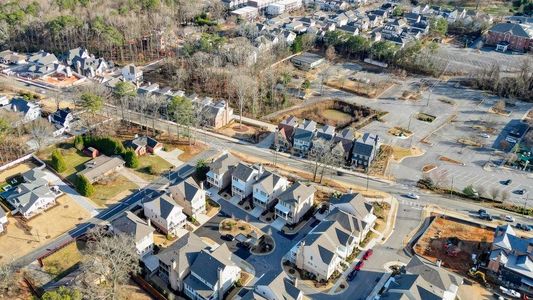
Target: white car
[484,135]
[412,196]
[509,218]
[510,292]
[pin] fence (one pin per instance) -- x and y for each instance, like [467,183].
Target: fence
[15,162]
[148,288]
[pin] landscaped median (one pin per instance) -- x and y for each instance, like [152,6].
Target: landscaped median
[248,235]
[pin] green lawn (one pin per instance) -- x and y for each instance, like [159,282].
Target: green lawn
[154,162]
[64,259]
[115,189]
[73,158]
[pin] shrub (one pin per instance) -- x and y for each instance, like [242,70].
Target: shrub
[106,145]
[58,162]
[78,142]
[132,161]
[469,191]
[84,187]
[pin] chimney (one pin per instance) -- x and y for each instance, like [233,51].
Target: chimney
[201,185]
[260,169]
[219,285]
[350,191]
[149,222]
[438,263]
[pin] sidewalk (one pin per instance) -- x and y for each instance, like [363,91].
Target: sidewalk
[254,122]
[84,202]
[140,182]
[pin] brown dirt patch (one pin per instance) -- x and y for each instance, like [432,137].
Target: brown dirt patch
[453,243]
[450,160]
[370,90]
[189,151]
[235,227]
[398,131]
[245,132]
[20,168]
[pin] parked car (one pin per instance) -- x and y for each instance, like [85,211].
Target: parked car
[352,275]
[228,237]
[359,265]
[484,135]
[507,182]
[510,292]
[412,196]
[520,192]
[367,254]
[509,218]
[481,212]
[523,227]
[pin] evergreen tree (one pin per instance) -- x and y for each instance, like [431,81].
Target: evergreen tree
[78,142]
[132,161]
[58,162]
[84,187]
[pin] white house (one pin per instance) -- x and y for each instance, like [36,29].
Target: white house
[132,73]
[61,120]
[220,170]
[243,179]
[29,110]
[165,214]
[295,202]
[279,288]
[32,196]
[356,205]
[268,188]
[212,274]
[3,220]
[142,231]
[189,195]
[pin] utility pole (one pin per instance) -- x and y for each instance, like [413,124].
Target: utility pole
[451,190]
[526,198]
[367,178]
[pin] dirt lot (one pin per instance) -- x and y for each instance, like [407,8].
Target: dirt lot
[245,132]
[453,243]
[370,90]
[17,242]
[20,168]
[346,114]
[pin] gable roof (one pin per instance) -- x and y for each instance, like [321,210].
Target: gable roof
[223,163]
[163,205]
[100,165]
[290,120]
[21,105]
[185,190]
[184,252]
[142,141]
[296,192]
[208,263]
[354,204]
[436,276]
[244,172]
[59,117]
[513,29]
[269,181]
[129,223]
[412,287]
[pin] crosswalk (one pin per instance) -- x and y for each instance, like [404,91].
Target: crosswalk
[414,204]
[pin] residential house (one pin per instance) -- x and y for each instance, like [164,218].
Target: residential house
[289,124]
[91,152]
[516,37]
[141,231]
[101,167]
[243,179]
[33,195]
[341,152]
[303,137]
[279,288]
[217,115]
[4,101]
[175,261]
[29,110]
[78,53]
[412,17]
[326,132]
[144,144]
[85,64]
[189,195]
[307,61]
[234,3]
[3,220]
[220,171]
[61,120]
[148,89]
[356,205]
[132,73]
[350,30]
[295,202]
[165,214]
[40,64]
[9,57]
[212,274]
[365,150]
[282,140]
[421,280]
[268,188]
[345,136]
[511,258]
[374,21]
[246,13]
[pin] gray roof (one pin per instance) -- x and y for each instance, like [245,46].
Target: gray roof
[20,105]
[224,163]
[302,134]
[198,286]
[308,57]
[325,238]
[512,251]
[436,276]
[43,58]
[244,172]
[348,222]
[512,28]
[184,252]
[296,192]
[354,204]
[207,263]
[280,286]
[100,165]
[35,187]
[142,141]
[290,121]
[269,181]
[412,287]
[163,205]
[346,134]
[326,131]
[185,190]
[129,223]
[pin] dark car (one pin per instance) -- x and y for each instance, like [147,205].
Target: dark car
[359,265]
[352,275]
[507,182]
[367,254]
[482,212]
[520,192]
[228,237]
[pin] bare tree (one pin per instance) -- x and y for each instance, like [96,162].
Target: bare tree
[9,281]
[505,196]
[499,106]
[40,130]
[330,53]
[494,192]
[243,85]
[481,190]
[440,178]
[108,264]
[321,155]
